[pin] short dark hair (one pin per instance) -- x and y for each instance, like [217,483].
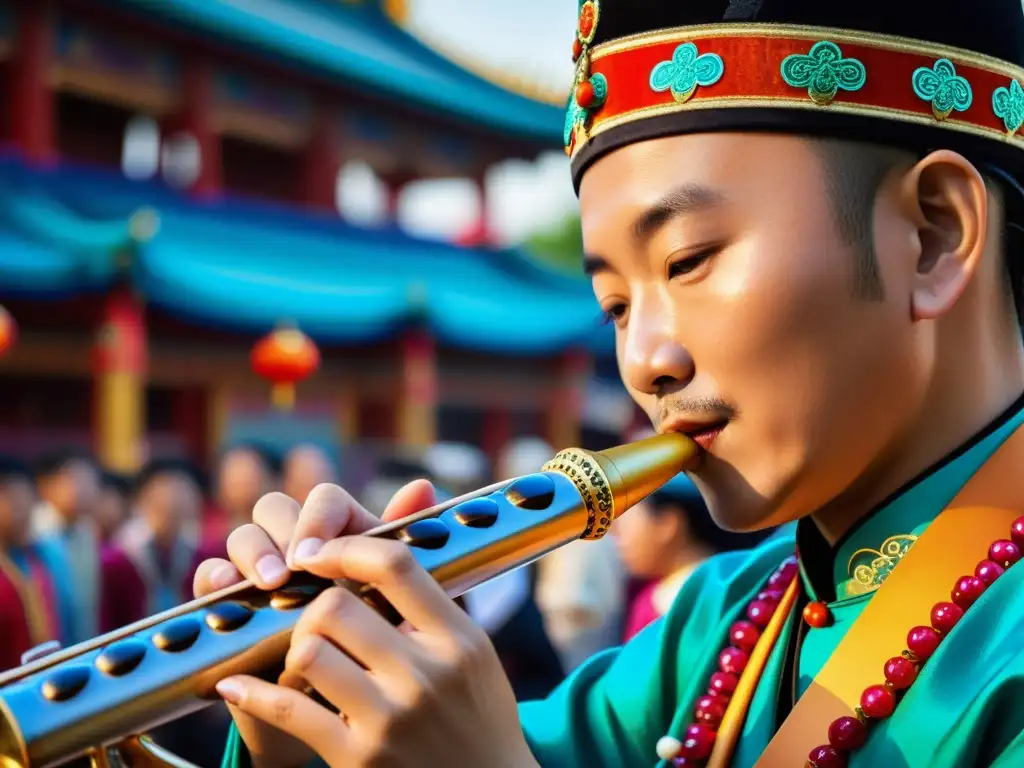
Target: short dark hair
[854,173]
[681,497]
[12,468]
[51,464]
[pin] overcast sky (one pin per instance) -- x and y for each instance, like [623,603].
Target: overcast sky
[532,38]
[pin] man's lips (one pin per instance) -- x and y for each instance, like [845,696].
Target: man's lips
[703,434]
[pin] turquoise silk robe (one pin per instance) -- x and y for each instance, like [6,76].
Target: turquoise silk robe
[965,709]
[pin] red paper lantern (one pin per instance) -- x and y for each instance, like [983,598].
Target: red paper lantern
[285,357]
[8,331]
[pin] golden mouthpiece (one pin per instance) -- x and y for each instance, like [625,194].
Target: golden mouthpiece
[612,481]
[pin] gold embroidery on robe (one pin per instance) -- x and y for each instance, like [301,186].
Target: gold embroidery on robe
[868,568]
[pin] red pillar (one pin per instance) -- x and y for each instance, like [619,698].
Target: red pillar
[190,421]
[194,119]
[565,408]
[321,162]
[394,185]
[32,110]
[119,365]
[417,406]
[497,433]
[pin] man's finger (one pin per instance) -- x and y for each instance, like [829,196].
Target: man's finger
[277,514]
[214,575]
[289,711]
[329,511]
[343,618]
[254,554]
[390,567]
[337,678]
[410,499]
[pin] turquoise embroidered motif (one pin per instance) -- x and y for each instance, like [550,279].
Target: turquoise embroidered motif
[1008,104]
[600,85]
[686,71]
[823,72]
[944,88]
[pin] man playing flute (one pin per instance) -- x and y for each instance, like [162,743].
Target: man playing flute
[803,219]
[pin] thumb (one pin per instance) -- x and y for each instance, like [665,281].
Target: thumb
[414,497]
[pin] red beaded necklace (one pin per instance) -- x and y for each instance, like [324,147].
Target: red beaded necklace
[877,702]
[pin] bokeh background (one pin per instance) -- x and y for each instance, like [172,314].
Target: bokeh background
[255,245]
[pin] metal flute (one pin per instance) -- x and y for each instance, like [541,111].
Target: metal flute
[99,697]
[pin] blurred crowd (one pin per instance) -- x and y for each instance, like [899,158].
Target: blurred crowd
[84,551]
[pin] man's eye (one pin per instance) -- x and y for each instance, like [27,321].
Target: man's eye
[689,264]
[614,313]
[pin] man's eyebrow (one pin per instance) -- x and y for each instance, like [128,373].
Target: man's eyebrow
[592,264]
[689,198]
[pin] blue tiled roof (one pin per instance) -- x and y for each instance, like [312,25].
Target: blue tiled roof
[248,266]
[360,47]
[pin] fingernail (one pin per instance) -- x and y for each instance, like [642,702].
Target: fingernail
[223,576]
[307,549]
[230,690]
[271,569]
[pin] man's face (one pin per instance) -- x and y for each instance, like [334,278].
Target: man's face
[241,482]
[17,496]
[169,503]
[732,295]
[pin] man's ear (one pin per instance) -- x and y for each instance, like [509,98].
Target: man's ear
[948,201]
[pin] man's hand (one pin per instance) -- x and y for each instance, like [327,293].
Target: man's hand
[430,693]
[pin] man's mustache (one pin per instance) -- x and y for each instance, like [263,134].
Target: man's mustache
[695,408]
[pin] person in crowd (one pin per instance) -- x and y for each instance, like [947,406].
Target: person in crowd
[580,588]
[662,540]
[114,505]
[161,539]
[246,472]
[504,607]
[64,526]
[305,467]
[29,614]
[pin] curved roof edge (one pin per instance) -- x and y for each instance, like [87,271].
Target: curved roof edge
[361,46]
[66,231]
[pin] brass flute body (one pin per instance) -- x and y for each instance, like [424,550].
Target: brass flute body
[108,691]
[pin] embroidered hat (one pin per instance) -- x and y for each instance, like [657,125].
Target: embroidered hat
[909,73]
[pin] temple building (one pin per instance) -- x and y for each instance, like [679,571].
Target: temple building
[141,274]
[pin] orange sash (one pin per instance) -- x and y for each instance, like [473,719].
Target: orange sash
[949,548]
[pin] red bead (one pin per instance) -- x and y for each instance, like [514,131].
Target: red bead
[733,661]
[967,590]
[698,742]
[771,595]
[922,642]
[988,572]
[710,710]
[945,616]
[847,734]
[877,701]
[785,574]
[760,612]
[826,757]
[900,672]
[723,684]
[577,49]
[585,96]
[744,635]
[1017,532]
[817,615]
[1004,552]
